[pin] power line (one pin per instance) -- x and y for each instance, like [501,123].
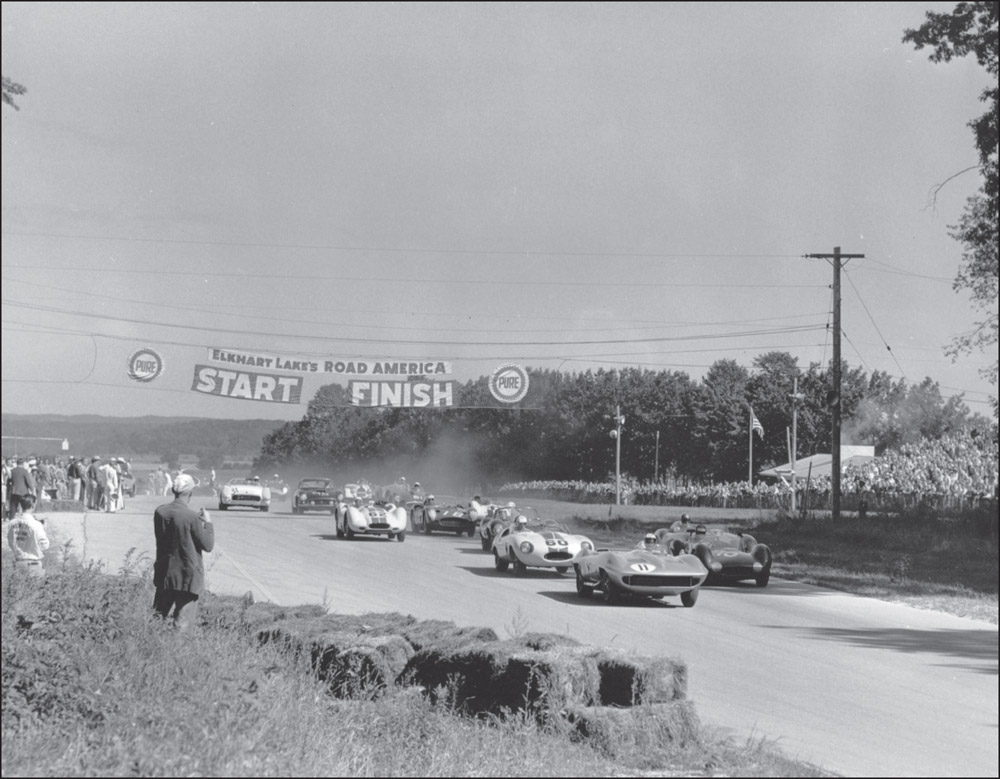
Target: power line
[337,339]
[646,324]
[870,317]
[395,250]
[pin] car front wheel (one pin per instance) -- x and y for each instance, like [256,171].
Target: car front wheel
[609,590]
[689,598]
[485,543]
[762,578]
[500,563]
[583,589]
[401,536]
[520,569]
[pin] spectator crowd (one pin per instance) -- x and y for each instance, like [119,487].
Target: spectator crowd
[954,472]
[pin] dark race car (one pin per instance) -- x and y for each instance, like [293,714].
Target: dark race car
[729,557]
[315,495]
[445,514]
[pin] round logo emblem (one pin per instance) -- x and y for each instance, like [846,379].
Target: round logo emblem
[144,365]
[642,567]
[509,383]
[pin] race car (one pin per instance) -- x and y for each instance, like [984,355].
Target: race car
[730,557]
[359,515]
[539,544]
[648,572]
[249,493]
[497,518]
[314,495]
[445,514]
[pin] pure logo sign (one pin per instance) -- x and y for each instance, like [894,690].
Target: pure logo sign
[144,365]
[509,383]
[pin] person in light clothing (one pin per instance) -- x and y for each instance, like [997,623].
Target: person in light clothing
[28,540]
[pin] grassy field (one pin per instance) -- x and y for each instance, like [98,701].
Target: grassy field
[93,686]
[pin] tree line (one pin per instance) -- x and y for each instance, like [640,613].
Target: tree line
[695,430]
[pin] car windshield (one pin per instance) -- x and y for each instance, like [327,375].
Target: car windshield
[314,484]
[244,482]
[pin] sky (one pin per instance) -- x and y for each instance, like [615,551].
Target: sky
[569,186]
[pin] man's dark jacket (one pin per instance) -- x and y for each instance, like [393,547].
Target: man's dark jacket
[181,537]
[21,481]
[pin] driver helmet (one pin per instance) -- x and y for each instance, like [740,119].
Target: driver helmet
[256,478]
[510,504]
[685,518]
[521,521]
[700,530]
[650,539]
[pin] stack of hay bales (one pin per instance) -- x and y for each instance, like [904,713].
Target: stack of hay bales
[606,697]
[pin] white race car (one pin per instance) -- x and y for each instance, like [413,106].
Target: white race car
[359,515]
[538,544]
[248,493]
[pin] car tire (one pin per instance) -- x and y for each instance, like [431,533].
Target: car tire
[264,508]
[485,543]
[609,591]
[763,578]
[520,569]
[689,598]
[223,507]
[583,589]
[562,568]
[348,533]
[500,563]
[401,536]
[470,532]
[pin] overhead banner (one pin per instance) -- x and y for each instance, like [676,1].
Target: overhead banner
[247,385]
[335,365]
[402,394]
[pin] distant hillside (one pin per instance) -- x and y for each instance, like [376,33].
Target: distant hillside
[159,438]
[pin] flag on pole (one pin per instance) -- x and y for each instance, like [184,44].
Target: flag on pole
[755,425]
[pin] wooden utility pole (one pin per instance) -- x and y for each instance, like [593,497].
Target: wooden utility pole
[833,396]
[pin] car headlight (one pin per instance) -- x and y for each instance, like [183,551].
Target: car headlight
[526,547]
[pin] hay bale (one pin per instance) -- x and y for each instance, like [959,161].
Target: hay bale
[501,677]
[615,731]
[543,642]
[363,668]
[631,681]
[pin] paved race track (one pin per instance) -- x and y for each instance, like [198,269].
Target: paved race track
[856,686]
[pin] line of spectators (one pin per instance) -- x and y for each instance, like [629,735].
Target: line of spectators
[97,484]
[955,472]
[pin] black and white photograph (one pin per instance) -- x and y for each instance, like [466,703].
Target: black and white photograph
[499,389]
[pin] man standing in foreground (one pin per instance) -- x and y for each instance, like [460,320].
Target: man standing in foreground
[28,540]
[181,536]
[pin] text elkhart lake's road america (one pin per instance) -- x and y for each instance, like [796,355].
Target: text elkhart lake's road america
[403,384]
[334,365]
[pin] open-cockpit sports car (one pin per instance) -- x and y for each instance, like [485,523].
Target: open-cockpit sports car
[540,544]
[315,495]
[729,557]
[495,518]
[245,493]
[359,515]
[646,572]
[445,514]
